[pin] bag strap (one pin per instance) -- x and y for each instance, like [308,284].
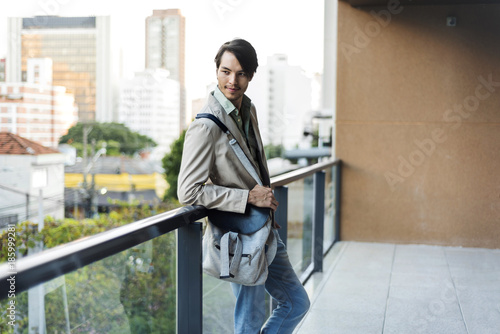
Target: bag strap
[229,266]
[215,119]
[235,146]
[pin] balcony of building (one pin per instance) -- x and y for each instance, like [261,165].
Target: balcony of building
[147,277]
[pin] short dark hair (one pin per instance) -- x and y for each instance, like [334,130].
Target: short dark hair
[243,51]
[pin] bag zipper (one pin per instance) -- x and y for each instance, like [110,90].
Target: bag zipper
[242,255]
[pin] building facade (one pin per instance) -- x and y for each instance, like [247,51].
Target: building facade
[36,109]
[81,53]
[32,180]
[149,104]
[165,48]
[418,123]
[282,95]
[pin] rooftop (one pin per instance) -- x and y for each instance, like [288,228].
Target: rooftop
[57,22]
[117,165]
[13,144]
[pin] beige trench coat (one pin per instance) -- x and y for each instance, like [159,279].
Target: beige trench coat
[211,175]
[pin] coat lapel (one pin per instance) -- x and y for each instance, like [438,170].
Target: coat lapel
[218,111]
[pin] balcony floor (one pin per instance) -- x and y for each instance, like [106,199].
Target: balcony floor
[385,288]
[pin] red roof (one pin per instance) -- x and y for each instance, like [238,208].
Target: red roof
[13,144]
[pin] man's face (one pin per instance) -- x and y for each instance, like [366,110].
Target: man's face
[232,79]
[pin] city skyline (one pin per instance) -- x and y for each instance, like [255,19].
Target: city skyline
[208,25]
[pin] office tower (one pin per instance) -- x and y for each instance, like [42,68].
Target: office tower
[149,104]
[165,48]
[81,54]
[282,95]
[37,110]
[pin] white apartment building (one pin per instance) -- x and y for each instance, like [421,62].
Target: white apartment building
[282,95]
[36,109]
[149,104]
[81,51]
[31,181]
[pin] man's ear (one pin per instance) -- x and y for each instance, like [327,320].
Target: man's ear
[250,77]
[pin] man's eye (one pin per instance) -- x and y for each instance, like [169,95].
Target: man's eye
[243,74]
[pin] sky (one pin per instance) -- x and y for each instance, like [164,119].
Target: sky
[294,28]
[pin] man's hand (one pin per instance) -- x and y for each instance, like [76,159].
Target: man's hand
[262,197]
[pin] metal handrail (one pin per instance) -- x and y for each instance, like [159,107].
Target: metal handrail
[54,262]
[301,173]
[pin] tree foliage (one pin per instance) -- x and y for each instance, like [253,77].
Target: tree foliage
[114,134]
[273,151]
[172,165]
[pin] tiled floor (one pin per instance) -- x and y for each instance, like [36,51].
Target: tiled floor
[405,289]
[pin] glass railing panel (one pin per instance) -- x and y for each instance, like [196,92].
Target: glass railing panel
[218,306]
[133,291]
[329,216]
[300,217]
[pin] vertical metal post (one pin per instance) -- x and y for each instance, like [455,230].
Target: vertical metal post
[75,198]
[40,212]
[27,207]
[36,295]
[281,217]
[281,214]
[189,279]
[338,177]
[318,221]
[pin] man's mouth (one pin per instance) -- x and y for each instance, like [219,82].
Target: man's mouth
[232,89]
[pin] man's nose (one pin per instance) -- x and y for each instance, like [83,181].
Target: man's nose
[232,78]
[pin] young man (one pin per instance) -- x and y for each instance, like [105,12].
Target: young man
[211,175]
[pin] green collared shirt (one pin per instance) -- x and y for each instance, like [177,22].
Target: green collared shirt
[241,118]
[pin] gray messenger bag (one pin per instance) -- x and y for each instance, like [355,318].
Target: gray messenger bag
[239,247]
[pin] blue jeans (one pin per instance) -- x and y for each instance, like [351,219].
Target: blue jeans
[284,286]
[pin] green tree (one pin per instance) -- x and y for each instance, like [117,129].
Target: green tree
[172,165]
[117,136]
[273,151]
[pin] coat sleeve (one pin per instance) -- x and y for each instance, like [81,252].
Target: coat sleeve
[198,159]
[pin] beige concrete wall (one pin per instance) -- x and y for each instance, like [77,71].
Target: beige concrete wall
[418,124]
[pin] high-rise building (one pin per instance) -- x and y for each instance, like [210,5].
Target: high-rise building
[282,96]
[149,104]
[165,48]
[37,110]
[81,54]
